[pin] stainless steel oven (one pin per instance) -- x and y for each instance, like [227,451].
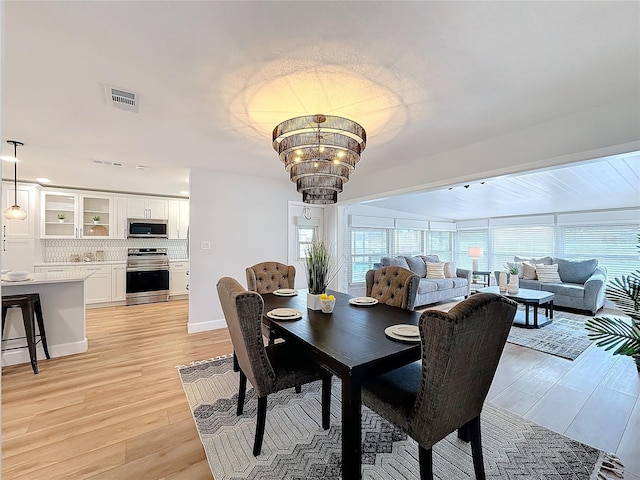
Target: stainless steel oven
[147,275]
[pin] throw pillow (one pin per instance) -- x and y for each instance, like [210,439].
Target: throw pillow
[548,273]
[529,271]
[576,271]
[435,270]
[430,258]
[450,270]
[395,262]
[417,266]
[534,261]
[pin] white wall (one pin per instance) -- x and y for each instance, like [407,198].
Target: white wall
[245,220]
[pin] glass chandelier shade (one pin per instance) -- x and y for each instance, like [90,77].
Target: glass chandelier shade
[319,152]
[15,212]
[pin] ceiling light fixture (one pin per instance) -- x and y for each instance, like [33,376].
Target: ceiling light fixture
[319,152]
[15,212]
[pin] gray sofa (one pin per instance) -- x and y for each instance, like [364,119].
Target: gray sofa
[581,287]
[431,290]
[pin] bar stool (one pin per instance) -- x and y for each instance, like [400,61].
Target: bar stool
[31,308]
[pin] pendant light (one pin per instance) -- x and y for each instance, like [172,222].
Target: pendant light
[15,212]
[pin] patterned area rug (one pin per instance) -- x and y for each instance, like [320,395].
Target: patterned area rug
[566,337]
[296,447]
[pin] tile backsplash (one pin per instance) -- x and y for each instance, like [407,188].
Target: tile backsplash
[114,250]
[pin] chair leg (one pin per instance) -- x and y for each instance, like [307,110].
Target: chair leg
[236,366]
[298,388]
[426,463]
[40,319]
[326,402]
[476,447]
[241,393]
[260,423]
[463,433]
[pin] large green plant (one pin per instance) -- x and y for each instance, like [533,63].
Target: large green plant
[318,267]
[615,333]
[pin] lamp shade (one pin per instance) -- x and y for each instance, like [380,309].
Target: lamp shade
[475,252]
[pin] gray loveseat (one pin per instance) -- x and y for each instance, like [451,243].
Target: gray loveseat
[432,290]
[582,282]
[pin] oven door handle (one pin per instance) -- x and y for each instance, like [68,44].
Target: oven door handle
[147,269]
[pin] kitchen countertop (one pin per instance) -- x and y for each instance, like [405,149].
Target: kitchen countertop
[41,278]
[73,264]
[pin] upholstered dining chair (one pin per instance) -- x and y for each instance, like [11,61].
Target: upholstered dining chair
[267,277]
[269,368]
[395,286]
[447,389]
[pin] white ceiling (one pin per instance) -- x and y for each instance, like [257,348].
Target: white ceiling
[214,78]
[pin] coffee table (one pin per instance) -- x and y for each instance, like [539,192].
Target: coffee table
[528,298]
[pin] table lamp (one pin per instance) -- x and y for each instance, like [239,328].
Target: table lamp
[475,253]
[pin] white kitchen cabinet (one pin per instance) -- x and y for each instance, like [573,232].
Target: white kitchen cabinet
[85,215]
[96,212]
[118,282]
[28,196]
[56,269]
[18,254]
[178,278]
[146,207]
[97,287]
[59,211]
[178,219]
[119,220]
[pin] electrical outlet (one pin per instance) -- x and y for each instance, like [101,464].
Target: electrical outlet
[205,245]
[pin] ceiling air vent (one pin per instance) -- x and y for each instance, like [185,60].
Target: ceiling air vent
[122,99]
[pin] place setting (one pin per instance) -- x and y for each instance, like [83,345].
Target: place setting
[286,292]
[363,301]
[284,314]
[403,333]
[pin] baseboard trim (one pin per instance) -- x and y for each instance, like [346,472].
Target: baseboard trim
[206,326]
[15,357]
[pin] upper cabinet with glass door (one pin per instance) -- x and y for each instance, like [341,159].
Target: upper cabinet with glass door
[71,215]
[97,215]
[58,213]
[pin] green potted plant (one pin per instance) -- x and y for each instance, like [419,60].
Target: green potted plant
[620,334]
[319,272]
[61,217]
[96,219]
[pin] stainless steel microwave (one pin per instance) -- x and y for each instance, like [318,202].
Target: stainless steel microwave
[143,228]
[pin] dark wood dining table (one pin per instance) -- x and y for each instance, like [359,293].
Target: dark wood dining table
[351,343]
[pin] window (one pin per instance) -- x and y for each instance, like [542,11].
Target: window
[368,245]
[472,238]
[306,235]
[441,244]
[615,246]
[408,242]
[528,241]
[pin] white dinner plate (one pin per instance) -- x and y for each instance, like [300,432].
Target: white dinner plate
[284,314]
[285,292]
[389,332]
[363,301]
[409,331]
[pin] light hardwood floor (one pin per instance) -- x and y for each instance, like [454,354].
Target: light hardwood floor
[119,412]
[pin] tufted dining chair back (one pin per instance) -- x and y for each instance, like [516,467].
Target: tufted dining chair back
[395,286]
[267,277]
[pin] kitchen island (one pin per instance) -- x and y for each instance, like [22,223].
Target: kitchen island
[62,295]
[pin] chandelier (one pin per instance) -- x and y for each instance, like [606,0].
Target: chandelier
[319,152]
[15,212]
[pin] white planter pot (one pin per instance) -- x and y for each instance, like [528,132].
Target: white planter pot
[514,285]
[313,302]
[502,282]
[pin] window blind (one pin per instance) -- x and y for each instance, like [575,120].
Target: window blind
[368,245]
[615,246]
[472,238]
[524,241]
